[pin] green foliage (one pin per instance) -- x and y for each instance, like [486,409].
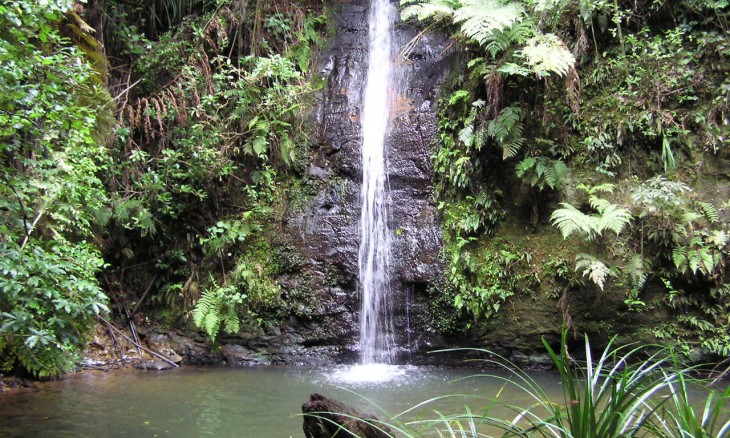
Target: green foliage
[542,172]
[310,35]
[684,417]
[49,300]
[497,26]
[248,284]
[594,269]
[608,216]
[546,54]
[506,129]
[216,308]
[644,108]
[482,282]
[702,254]
[211,127]
[621,392]
[54,120]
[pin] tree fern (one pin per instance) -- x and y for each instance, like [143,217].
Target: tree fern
[594,269]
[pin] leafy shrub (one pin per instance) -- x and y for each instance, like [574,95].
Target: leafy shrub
[54,119]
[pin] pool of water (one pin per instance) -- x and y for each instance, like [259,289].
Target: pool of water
[225,402]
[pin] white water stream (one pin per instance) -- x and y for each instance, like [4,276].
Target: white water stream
[377,341]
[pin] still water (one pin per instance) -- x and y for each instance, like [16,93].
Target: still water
[225,402]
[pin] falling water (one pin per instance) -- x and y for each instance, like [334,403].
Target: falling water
[376,327]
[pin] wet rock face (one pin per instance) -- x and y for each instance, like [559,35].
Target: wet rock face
[325,232]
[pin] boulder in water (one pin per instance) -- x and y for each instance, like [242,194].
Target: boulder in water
[327,418]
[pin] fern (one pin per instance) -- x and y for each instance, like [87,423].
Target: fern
[570,220]
[594,269]
[433,9]
[719,239]
[612,218]
[541,172]
[479,19]
[709,211]
[546,54]
[506,129]
[592,190]
[501,40]
[217,307]
[609,216]
[698,257]
[636,268]
[498,26]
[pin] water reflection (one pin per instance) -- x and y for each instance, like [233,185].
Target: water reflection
[256,402]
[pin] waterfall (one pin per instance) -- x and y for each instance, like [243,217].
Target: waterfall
[377,341]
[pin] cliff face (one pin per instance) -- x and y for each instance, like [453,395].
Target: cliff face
[321,231]
[319,234]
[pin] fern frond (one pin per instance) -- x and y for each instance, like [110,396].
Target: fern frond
[719,238]
[497,43]
[637,270]
[501,40]
[546,54]
[599,204]
[211,324]
[466,135]
[593,268]
[231,322]
[209,302]
[605,187]
[613,218]
[555,173]
[510,149]
[679,257]
[709,211]
[422,10]
[570,220]
[510,68]
[687,217]
[479,19]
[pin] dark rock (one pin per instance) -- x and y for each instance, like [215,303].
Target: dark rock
[238,356]
[325,233]
[326,418]
[161,343]
[194,349]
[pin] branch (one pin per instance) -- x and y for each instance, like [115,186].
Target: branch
[20,201]
[124,335]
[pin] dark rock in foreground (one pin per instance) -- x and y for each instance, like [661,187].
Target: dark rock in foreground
[327,418]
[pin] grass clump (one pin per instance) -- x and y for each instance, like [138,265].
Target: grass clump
[626,391]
